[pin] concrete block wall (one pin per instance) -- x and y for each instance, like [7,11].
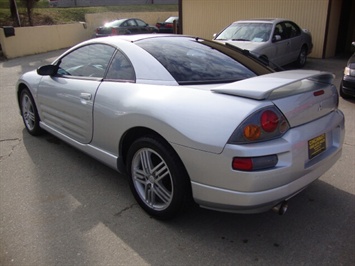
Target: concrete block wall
[40,39]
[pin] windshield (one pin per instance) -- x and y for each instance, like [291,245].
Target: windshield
[190,61]
[255,32]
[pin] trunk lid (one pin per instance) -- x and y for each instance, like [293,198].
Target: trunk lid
[301,95]
[104,30]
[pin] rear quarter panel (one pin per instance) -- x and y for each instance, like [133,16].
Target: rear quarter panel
[191,117]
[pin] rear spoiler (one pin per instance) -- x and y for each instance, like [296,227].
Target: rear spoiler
[277,85]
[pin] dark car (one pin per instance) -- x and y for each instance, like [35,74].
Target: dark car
[168,25]
[125,26]
[347,85]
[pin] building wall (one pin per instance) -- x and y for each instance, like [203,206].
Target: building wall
[206,17]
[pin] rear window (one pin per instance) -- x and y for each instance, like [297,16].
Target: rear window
[115,23]
[190,61]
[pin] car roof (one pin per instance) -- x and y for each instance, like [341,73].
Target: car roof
[117,40]
[264,20]
[113,40]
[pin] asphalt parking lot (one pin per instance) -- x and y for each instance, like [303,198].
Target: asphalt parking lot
[61,207]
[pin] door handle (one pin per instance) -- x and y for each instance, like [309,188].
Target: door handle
[85,96]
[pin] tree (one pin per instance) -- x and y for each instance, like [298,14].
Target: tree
[14,12]
[30,4]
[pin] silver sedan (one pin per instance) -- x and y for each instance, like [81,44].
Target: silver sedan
[278,41]
[188,119]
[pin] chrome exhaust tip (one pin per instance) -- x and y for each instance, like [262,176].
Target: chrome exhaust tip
[281,208]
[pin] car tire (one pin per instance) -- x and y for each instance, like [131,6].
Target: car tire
[29,113]
[158,179]
[302,57]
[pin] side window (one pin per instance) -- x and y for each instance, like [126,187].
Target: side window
[292,29]
[141,23]
[282,30]
[278,30]
[87,61]
[121,68]
[131,22]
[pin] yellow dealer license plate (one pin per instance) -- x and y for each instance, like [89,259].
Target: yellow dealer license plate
[316,146]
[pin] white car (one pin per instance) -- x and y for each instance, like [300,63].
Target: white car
[279,41]
[187,118]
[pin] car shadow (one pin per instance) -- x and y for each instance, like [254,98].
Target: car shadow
[78,196]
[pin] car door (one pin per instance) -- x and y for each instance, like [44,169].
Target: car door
[142,26]
[132,27]
[66,99]
[282,45]
[295,39]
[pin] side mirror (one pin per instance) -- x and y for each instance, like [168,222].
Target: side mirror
[276,38]
[214,36]
[353,43]
[47,70]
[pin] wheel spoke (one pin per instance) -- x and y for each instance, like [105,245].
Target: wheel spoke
[162,193]
[31,116]
[146,161]
[160,171]
[28,104]
[140,176]
[150,195]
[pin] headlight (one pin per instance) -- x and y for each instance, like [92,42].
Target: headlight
[349,72]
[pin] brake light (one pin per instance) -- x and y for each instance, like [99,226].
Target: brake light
[170,25]
[114,31]
[265,124]
[269,121]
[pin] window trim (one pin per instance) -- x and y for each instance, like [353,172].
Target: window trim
[117,50]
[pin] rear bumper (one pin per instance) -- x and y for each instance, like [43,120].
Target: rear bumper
[256,202]
[348,85]
[215,185]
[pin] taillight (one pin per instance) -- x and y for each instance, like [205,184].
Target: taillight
[265,124]
[170,25]
[269,121]
[114,31]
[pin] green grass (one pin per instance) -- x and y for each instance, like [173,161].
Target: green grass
[44,15]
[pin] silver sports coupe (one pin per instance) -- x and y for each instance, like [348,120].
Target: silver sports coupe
[189,120]
[279,41]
